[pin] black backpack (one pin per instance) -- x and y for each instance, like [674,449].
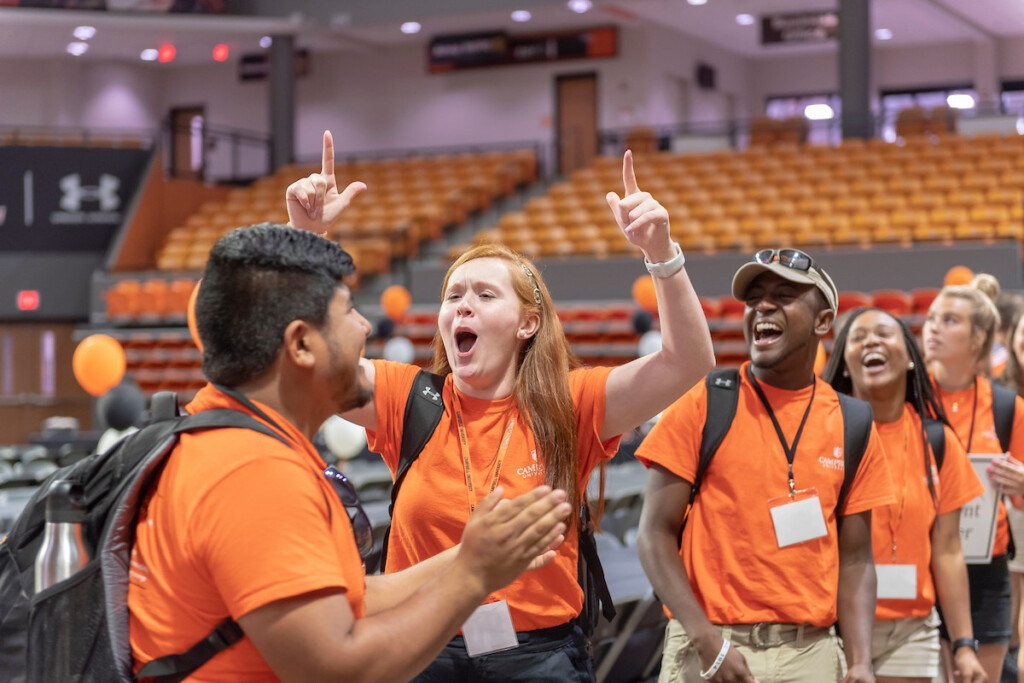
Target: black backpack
[77,630]
[723,389]
[423,410]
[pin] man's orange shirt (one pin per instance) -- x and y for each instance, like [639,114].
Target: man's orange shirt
[737,571]
[433,505]
[959,407]
[237,521]
[908,522]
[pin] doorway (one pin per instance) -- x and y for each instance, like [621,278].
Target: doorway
[188,144]
[576,121]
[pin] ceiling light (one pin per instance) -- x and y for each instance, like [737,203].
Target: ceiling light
[960,100]
[580,6]
[266,41]
[221,51]
[744,19]
[883,34]
[149,55]
[521,15]
[77,49]
[411,27]
[84,32]
[697,2]
[166,53]
[818,112]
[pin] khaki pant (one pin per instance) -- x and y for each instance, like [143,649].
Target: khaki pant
[775,653]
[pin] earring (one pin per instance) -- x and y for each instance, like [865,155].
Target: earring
[846,372]
[911,366]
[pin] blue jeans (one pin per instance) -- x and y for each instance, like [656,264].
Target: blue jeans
[556,654]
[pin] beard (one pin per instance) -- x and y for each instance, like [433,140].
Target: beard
[349,388]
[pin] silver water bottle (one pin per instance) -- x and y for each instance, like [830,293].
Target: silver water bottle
[63,551]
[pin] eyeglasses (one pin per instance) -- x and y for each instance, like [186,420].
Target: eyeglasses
[791,258]
[361,527]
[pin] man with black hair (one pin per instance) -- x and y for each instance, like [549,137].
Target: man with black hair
[762,568]
[245,526]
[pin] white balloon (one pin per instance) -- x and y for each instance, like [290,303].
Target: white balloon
[343,438]
[399,349]
[650,343]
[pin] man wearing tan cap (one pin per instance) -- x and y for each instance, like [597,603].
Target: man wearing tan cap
[764,569]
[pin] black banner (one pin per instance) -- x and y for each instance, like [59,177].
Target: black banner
[65,199]
[799,27]
[496,48]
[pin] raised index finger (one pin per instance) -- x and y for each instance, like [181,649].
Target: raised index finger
[628,175]
[327,165]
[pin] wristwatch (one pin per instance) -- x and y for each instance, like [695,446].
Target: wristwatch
[965,642]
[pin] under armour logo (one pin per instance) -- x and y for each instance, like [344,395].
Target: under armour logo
[723,382]
[431,394]
[75,193]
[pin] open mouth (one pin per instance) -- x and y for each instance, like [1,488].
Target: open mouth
[465,341]
[766,332]
[874,361]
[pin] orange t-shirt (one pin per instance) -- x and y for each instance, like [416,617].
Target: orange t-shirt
[958,406]
[737,571]
[237,521]
[433,506]
[955,484]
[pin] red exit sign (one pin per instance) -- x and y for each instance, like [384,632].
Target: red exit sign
[28,300]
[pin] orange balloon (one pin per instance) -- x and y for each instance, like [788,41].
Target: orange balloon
[190,315]
[644,295]
[958,275]
[395,300]
[820,359]
[98,364]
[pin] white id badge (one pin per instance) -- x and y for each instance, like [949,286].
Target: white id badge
[797,519]
[489,629]
[897,581]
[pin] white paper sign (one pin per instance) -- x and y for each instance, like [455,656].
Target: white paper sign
[978,517]
[896,581]
[798,521]
[489,629]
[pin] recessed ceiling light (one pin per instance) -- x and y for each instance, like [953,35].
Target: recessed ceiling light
[84,32]
[266,41]
[411,27]
[818,112]
[580,6]
[521,15]
[960,101]
[883,34]
[149,55]
[744,19]
[77,49]
[697,2]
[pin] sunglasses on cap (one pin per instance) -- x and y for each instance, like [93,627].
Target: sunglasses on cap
[791,258]
[361,527]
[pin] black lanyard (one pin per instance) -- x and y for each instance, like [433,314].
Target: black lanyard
[790,450]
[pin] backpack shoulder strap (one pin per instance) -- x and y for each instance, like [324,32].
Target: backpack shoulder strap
[935,431]
[723,389]
[175,668]
[423,410]
[857,419]
[1004,403]
[592,574]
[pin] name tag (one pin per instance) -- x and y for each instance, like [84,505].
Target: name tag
[799,520]
[489,629]
[897,581]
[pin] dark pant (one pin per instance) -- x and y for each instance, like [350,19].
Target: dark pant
[553,654]
[990,602]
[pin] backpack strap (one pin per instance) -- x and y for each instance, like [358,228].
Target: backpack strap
[163,406]
[176,668]
[591,574]
[219,418]
[723,390]
[857,419]
[423,411]
[1004,403]
[935,431]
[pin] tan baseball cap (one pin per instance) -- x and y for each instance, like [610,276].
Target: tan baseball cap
[790,264]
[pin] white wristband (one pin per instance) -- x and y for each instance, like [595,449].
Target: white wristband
[713,669]
[667,268]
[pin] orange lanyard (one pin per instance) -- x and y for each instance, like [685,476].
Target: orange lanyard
[894,526]
[464,447]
